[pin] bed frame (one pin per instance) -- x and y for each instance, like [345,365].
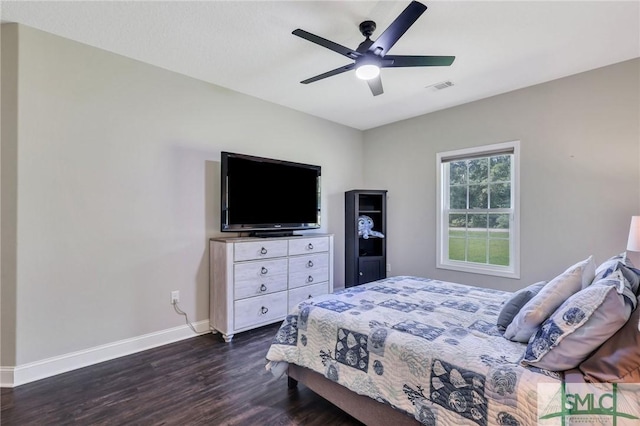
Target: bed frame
[362,408]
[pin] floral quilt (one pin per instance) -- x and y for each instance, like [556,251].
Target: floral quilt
[426,347]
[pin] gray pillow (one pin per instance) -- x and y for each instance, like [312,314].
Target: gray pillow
[513,305]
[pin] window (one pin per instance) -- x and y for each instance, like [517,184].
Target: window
[478,203]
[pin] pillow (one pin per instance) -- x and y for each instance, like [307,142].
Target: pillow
[538,309]
[618,359]
[584,322]
[620,261]
[513,305]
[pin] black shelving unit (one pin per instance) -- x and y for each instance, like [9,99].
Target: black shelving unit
[365,258]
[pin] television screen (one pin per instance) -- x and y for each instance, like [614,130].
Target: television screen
[263,194]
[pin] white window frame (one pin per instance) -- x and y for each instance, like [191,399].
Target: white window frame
[442,223]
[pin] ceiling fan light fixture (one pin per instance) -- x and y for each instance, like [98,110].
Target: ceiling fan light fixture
[367,71]
[371,55]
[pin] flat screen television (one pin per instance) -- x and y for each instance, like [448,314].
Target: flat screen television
[266,196]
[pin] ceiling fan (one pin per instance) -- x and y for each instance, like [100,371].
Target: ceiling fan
[370,55]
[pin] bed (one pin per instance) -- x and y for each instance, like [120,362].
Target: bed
[395,343]
[428,349]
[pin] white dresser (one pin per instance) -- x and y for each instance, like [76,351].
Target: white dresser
[256,281]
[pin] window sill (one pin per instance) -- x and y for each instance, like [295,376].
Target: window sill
[480,269]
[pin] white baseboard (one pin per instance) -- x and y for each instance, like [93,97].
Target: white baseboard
[21,374]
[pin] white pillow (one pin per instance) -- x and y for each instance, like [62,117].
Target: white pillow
[583,323]
[552,295]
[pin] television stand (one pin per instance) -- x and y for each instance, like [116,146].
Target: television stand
[255,282]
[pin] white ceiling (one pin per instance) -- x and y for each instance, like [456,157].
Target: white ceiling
[248,46]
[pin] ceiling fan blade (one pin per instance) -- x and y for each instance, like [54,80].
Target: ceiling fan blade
[338,48]
[397,28]
[391,61]
[375,84]
[329,74]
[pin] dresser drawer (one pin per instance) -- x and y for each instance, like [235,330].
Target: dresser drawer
[308,245]
[260,310]
[259,286]
[306,278]
[309,263]
[259,269]
[298,295]
[252,250]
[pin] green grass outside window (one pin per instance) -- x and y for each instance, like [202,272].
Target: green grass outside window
[497,242]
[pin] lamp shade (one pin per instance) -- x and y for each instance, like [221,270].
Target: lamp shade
[633,244]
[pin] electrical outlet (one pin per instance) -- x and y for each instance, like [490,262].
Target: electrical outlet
[388,267]
[175,297]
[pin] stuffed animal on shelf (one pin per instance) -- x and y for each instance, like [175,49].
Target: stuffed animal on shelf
[365,228]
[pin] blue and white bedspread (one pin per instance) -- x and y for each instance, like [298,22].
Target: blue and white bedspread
[427,347]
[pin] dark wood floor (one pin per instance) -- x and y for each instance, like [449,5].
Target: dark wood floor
[198,381]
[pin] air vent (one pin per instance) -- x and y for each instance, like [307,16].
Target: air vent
[440,86]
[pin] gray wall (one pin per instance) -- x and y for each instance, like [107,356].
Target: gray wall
[117,179]
[8,195]
[580,176]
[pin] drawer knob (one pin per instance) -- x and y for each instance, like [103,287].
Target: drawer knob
[264,270]
[310,246]
[309,279]
[309,264]
[263,287]
[264,310]
[263,250]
